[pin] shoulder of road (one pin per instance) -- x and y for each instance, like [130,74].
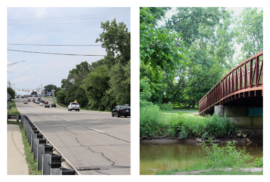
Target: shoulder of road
[16,163]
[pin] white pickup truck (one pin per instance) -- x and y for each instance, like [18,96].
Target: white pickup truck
[74,106]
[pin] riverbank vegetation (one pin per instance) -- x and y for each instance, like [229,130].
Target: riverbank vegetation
[105,83]
[182,125]
[220,160]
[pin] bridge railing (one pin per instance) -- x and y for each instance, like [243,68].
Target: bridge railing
[243,77]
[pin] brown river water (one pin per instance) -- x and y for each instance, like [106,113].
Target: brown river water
[156,158]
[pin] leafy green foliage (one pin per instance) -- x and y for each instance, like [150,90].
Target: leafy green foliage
[160,48]
[228,156]
[183,134]
[95,85]
[11,92]
[116,39]
[188,126]
[249,32]
[258,162]
[120,83]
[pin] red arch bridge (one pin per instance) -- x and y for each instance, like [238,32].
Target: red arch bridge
[242,86]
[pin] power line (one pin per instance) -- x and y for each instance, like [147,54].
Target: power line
[52,45]
[86,18]
[53,53]
[94,21]
[67,17]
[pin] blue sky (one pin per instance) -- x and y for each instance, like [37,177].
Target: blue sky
[64,26]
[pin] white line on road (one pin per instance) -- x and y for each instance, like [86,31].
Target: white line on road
[96,130]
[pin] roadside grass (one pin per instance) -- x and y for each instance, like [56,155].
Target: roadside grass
[13,110]
[32,165]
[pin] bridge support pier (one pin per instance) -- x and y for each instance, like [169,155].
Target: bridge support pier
[248,119]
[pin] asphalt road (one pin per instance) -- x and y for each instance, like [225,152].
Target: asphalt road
[89,140]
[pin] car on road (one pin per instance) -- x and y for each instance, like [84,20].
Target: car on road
[46,105]
[25,102]
[74,106]
[40,104]
[37,102]
[53,105]
[18,96]
[22,96]
[33,100]
[29,100]
[121,110]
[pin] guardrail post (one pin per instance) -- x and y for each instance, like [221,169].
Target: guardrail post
[33,136]
[32,130]
[65,171]
[43,149]
[18,118]
[38,141]
[51,164]
[55,165]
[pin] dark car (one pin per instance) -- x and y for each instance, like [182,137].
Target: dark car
[46,105]
[33,100]
[22,96]
[53,105]
[121,110]
[29,100]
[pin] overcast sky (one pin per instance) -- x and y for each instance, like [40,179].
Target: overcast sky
[65,26]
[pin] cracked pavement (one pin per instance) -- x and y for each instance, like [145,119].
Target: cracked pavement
[95,143]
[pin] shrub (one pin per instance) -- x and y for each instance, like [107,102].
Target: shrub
[258,162]
[228,156]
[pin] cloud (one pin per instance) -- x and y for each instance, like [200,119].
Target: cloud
[40,12]
[25,79]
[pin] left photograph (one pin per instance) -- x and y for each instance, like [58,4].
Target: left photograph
[68,91]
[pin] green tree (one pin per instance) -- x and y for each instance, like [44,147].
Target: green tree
[249,32]
[11,92]
[160,48]
[96,85]
[120,83]
[115,38]
[157,12]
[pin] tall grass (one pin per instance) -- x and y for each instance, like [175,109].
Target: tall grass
[150,121]
[153,124]
[166,107]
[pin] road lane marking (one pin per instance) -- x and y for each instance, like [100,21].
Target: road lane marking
[105,120]
[96,130]
[95,118]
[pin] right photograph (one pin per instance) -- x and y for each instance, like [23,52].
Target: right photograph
[201,91]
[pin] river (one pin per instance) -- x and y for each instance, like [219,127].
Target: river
[156,158]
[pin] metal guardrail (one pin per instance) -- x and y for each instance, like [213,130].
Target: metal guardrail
[245,77]
[49,159]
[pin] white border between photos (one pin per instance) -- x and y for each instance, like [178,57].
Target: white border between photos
[135,159]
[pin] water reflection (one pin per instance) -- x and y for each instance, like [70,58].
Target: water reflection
[157,158]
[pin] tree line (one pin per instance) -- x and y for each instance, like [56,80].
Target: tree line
[183,58]
[105,83]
